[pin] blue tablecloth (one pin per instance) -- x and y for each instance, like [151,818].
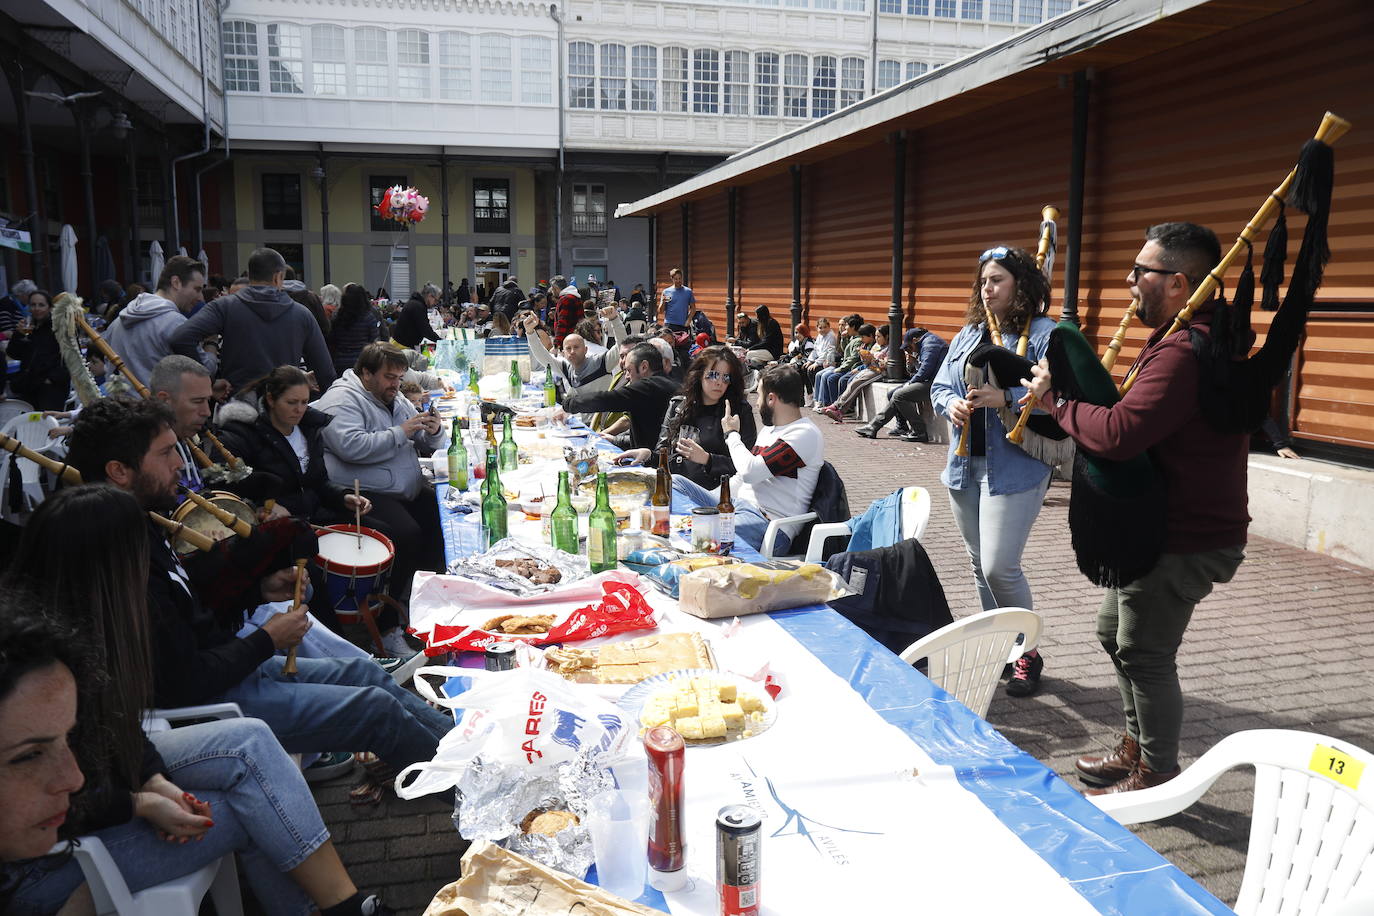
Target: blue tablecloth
[1114,870]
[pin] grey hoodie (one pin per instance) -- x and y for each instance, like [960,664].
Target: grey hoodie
[142,335]
[365,440]
[263,328]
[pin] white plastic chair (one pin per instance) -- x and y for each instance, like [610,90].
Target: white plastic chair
[31,429]
[179,896]
[11,408]
[915,509]
[1311,835]
[636,327]
[966,657]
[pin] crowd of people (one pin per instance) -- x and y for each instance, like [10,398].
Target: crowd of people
[310,390]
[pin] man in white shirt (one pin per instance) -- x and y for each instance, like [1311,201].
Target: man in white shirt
[778,477]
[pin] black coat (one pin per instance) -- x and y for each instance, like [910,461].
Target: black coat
[305,493]
[707,421]
[43,380]
[645,400]
[346,341]
[507,299]
[413,324]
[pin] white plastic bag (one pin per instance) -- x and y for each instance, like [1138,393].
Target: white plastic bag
[525,717]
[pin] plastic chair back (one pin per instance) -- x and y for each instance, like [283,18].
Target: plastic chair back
[966,657]
[11,408]
[177,897]
[1312,825]
[915,511]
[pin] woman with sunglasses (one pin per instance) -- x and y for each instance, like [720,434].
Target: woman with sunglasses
[995,492]
[715,378]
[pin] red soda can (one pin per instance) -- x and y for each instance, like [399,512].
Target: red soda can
[739,830]
[666,752]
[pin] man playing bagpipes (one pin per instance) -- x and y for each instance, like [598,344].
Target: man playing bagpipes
[1158,508]
[197,658]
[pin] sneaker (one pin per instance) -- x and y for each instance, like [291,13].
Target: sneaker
[1025,674]
[331,765]
[394,642]
[373,906]
[389,664]
[915,437]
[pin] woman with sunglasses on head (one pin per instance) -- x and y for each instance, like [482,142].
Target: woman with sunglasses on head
[715,378]
[228,785]
[996,491]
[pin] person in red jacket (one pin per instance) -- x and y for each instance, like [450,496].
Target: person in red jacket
[1141,624]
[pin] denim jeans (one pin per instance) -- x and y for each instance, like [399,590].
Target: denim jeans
[995,530]
[1141,626]
[905,403]
[262,809]
[750,522]
[341,704]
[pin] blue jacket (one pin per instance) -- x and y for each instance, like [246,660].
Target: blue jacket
[1010,470]
[933,350]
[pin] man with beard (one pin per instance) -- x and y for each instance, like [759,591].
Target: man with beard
[372,440]
[197,658]
[778,477]
[1141,624]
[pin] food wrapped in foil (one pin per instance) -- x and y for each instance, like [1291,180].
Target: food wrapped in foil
[484,569]
[496,801]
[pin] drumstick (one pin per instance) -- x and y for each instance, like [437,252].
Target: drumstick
[290,667]
[358,513]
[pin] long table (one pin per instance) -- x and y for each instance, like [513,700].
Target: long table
[980,825]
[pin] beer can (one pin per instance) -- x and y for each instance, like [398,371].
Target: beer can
[739,831]
[500,656]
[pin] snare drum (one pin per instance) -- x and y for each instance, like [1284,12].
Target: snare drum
[354,567]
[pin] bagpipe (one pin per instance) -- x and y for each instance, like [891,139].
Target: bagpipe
[1117,508]
[1035,433]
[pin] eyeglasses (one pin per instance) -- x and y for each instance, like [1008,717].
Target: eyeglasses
[1137,270]
[713,375]
[994,254]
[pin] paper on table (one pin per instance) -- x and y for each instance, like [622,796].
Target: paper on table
[496,880]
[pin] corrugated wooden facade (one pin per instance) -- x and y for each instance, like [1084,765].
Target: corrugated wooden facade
[1200,131]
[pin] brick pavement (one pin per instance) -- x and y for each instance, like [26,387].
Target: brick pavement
[1281,646]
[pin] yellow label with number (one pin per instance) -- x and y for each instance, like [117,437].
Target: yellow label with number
[1337,765]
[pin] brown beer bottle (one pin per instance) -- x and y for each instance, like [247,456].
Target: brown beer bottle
[492,444]
[663,495]
[725,522]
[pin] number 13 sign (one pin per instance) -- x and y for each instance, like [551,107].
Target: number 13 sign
[1336,765]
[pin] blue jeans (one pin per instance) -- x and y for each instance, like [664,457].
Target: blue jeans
[260,803]
[341,704]
[750,522]
[995,530]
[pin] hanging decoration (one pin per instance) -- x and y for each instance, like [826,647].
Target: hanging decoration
[404,205]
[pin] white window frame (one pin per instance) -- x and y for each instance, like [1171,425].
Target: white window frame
[1032,12]
[767,76]
[371,62]
[285,58]
[915,68]
[825,81]
[889,74]
[455,65]
[496,76]
[706,81]
[581,75]
[675,67]
[611,57]
[536,70]
[242,56]
[796,86]
[1001,11]
[734,78]
[643,78]
[852,78]
[328,59]
[414,79]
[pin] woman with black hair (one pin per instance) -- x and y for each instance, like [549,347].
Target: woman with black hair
[715,378]
[355,326]
[228,785]
[43,380]
[995,492]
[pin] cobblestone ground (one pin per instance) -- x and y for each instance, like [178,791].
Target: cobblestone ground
[1285,645]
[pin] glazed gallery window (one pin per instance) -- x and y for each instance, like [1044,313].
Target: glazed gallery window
[412,55]
[674,79]
[455,65]
[613,77]
[536,70]
[766,84]
[643,78]
[495,78]
[705,81]
[328,66]
[889,74]
[241,56]
[735,88]
[794,86]
[285,59]
[491,205]
[581,75]
[371,63]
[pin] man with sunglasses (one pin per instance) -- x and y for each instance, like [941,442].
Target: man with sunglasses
[1141,625]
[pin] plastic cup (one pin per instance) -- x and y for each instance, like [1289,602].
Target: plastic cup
[618,820]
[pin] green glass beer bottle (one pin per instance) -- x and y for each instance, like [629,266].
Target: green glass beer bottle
[474,376]
[457,459]
[515,383]
[563,519]
[601,552]
[550,389]
[508,452]
[493,504]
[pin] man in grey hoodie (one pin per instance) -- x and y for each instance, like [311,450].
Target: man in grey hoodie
[371,440]
[142,333]
[263,328]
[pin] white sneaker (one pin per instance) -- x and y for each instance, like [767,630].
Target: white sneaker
[394,642]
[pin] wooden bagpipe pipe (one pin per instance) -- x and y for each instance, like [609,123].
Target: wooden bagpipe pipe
[1037,435]
[1117,509]
[68,319]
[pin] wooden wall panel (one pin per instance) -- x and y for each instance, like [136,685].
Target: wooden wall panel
[707,242]
[763,235]
[668,247]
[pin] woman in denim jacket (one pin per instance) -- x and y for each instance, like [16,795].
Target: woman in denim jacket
[996,491]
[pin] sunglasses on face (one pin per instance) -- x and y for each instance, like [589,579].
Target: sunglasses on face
[714,375]
[994,254]
[1137,270]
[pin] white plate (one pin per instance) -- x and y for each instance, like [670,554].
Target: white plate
[634,699]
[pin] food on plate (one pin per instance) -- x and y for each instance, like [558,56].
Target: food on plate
[631,661]
[704,708]
[520,624]
[525,420]
[548,821]
[532,569]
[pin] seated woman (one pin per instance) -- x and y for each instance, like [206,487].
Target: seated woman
[872,365]
[43,380]
[715,379]
[228,785]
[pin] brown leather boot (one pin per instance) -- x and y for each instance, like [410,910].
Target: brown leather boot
[1142,777]
[1116,766]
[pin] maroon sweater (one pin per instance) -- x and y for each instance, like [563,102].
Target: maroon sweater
[1204,471]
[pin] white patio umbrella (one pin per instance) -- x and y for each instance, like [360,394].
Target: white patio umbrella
[67,242]
[156,261]
[182,251]
[203,258]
